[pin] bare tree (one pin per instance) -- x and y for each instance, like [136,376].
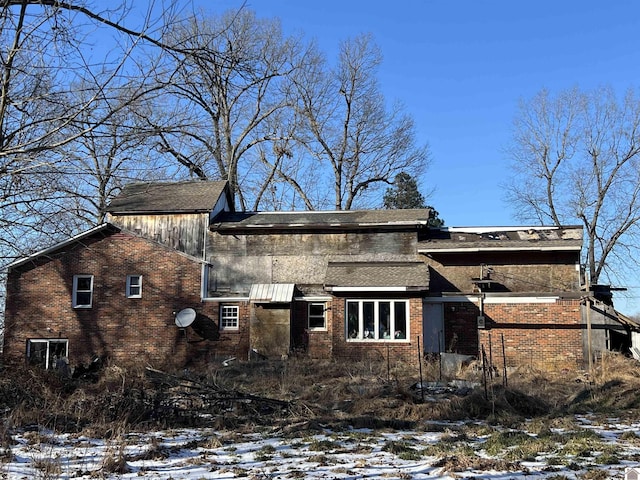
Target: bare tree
[53,72]
[576,159]
[214,115]
[347,127]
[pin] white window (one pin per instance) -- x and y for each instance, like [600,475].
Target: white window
[47,353]
[316,316]
[82,291]
[229,315]
[134,286]
[372,320]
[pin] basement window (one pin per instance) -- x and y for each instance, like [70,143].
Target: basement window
[374,320]
[82,291]
[47,353]
[134,286]
[316,316]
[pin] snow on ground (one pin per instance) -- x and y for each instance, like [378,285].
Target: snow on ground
[351,454]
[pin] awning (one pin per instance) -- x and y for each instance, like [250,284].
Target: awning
[271,292]
[377,276]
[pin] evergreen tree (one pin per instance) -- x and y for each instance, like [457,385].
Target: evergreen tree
[405,194]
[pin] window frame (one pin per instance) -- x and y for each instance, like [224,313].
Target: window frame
[131,286]
[48,356]
[322,305]
[234,318]
[357,332]
[77,291]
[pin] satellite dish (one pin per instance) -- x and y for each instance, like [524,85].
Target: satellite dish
[185,317]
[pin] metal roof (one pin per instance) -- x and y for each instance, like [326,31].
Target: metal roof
[187,196]
[271,292]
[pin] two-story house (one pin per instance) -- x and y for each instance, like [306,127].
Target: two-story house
[177,276]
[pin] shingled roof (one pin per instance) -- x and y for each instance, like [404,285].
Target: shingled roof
[400,275]
[476,239]
[234,221]
[168,197]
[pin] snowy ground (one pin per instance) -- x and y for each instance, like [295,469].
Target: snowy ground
[437,451]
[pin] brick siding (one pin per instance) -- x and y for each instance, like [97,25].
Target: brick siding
[39,303]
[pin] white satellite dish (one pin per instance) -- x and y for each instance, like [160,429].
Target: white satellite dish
[185,317]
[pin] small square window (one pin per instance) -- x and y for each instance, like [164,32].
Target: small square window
[229,316]
[316,316]
[82,291]
[134,286]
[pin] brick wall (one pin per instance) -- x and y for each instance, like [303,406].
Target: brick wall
[397,351]
[39,303]
[541,335]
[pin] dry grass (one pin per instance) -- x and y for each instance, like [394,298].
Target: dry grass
[373,394]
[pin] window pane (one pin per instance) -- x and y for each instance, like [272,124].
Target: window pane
[38,353]
[353,320]
[57,351]
[84,283]
[83,298]
[369,326]
[384,319]
[316,315]
[400,313]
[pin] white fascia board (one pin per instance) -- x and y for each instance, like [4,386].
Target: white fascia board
[313,298]
[226,299]
[501,300]
[491,300]
[499,249]
[480,230]
[369,289]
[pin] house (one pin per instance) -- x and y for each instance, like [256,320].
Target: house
[177,276]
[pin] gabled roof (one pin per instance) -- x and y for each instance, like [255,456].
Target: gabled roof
[484,239]
[343,219]
[168,197]
[103,229]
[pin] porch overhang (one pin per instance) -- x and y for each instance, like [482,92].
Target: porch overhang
[271,292]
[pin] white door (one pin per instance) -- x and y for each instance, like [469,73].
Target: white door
[433,327]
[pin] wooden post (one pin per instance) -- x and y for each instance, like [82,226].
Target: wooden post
[420,363]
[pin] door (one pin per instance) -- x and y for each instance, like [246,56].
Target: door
[270,329]
[433,327]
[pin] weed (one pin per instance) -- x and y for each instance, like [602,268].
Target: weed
[594,474]
[265,453]
[324,445]
[48,467]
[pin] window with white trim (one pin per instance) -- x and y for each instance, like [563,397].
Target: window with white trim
[229,317]
[47,353]
[371,320]
[316,318]
[82,291]
[134,286]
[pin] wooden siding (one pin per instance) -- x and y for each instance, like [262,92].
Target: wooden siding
[184,232]
[511,272]
[238,261]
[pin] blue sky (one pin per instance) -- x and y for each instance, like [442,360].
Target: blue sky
[460,68]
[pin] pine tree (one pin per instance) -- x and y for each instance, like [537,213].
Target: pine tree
[405,194]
